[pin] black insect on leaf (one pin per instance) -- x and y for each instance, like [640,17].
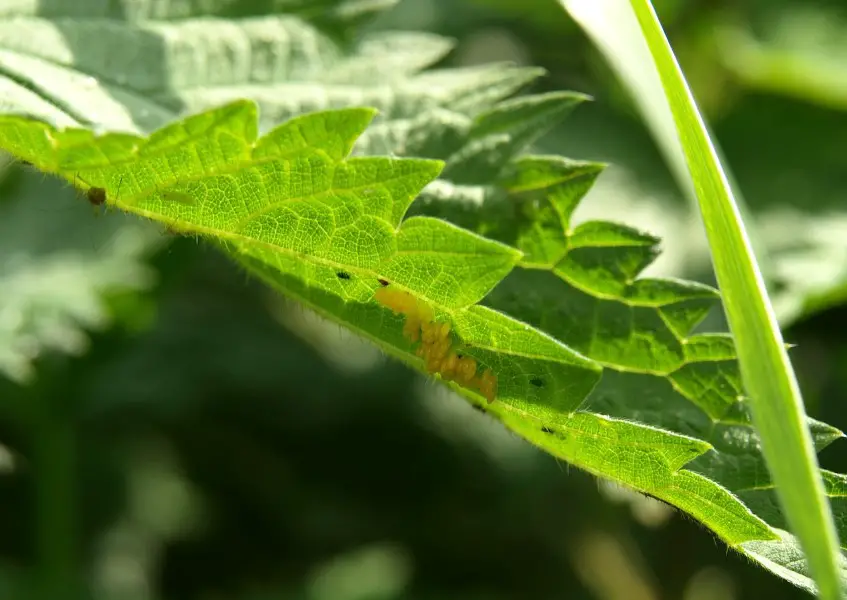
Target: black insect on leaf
[96,195]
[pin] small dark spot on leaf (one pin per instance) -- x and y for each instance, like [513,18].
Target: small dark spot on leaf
[342,275]
[383,282]
[477,408]
[547,430]
[537,382]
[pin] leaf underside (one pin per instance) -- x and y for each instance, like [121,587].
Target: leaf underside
[594,364]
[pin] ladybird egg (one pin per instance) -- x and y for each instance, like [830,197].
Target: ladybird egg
[412,329]
[488,385]
[441,348]
[466,369]
[448,367]
[433,364]
[428,332]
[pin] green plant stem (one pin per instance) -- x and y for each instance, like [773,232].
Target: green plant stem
[768,378]
[55,472]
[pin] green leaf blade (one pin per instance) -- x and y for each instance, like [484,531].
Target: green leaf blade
[595,364]
[766,370]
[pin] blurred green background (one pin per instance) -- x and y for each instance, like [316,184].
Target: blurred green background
[221,443]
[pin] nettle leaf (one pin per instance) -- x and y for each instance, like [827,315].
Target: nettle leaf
[601,370]
[593,364]
[580,284]
[134,66]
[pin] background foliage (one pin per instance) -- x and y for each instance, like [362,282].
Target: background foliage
[229,445]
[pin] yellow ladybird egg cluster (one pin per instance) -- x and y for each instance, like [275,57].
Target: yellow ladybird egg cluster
[436,345]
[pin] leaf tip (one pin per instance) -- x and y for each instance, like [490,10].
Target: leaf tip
[431,166]
[579,97]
